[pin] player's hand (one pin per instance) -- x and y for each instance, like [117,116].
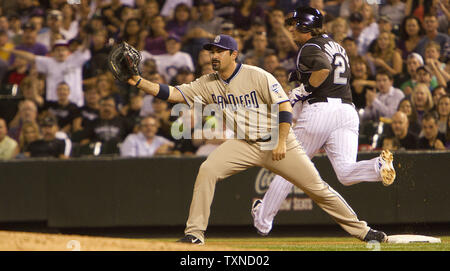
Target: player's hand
[298,94]
[279,153]
[133,80]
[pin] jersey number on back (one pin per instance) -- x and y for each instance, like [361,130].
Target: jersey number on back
[339,63]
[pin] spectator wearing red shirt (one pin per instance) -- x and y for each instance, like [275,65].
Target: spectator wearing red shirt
[17,72]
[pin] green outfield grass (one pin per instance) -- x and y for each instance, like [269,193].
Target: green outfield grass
[318,244]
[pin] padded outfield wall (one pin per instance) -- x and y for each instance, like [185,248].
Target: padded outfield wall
[118,192]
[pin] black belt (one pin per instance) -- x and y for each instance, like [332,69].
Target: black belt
[259,140]
[325,100]
[264,139]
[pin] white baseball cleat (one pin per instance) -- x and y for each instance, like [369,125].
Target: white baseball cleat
[255,205]
[387,170]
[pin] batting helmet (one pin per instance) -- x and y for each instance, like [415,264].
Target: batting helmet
[306,19]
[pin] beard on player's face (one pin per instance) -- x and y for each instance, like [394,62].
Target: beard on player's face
[220,59]
[215,65]
[220,64]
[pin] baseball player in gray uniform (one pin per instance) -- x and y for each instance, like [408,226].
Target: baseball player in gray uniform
[249,87]
[327,118]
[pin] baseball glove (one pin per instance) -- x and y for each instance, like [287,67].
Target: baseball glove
[123,61]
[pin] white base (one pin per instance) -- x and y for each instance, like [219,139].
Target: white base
[409,238]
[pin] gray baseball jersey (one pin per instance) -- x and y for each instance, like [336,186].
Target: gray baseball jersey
[249,89]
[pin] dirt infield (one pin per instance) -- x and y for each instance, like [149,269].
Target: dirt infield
[25,241]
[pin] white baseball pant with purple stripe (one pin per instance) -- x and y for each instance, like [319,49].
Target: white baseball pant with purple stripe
[333,126]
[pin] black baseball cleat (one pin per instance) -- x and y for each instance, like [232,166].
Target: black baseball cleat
[255,206]
[190,239]
[374,235]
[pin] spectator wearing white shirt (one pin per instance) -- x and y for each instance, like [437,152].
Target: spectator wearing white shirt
[147,102]
[363,34]
[168,8]
[370,15]
[8,146]
[385,102]
[66,67]
[54,23]
[348,7]
[146,143]
[69,24]
[184,76]
[61,67]
[168,64]
[395,9]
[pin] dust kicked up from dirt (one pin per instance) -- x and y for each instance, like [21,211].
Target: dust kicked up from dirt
[26,241]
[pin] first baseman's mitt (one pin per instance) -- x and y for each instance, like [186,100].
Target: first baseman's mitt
[123,61]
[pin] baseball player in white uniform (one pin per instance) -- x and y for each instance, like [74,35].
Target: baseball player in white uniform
[327,118]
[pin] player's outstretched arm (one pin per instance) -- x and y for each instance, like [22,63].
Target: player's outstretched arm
[164,92]
[123,62]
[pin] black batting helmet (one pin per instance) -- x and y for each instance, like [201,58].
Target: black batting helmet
[306,19]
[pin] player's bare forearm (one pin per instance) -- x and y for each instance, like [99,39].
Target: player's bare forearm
[279,152]
[318,77]
[153,89]
[283,131]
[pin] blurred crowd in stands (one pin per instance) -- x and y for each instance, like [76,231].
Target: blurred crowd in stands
[58,99]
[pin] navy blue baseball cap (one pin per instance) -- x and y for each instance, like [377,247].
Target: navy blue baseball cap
[222,41]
